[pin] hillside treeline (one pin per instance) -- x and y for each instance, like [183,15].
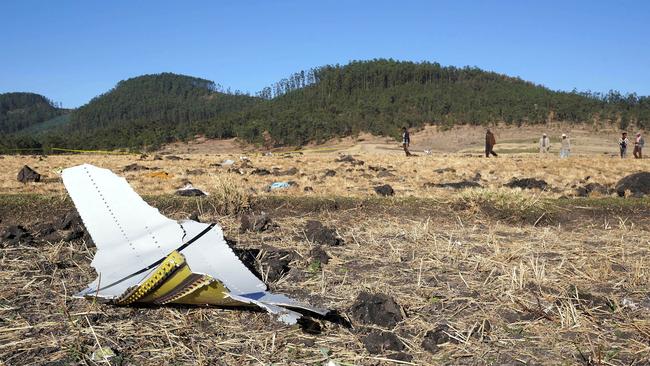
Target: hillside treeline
[378,96]
[19,111]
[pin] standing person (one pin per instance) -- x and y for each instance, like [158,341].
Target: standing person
[490,141]
[565,148]
[639,142]
[622,144]
[406,140]
[544,144]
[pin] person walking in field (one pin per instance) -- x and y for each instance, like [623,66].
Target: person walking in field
[639,142]
[544,144]
[490,141]
[406,140]
[565,147]
[622,144]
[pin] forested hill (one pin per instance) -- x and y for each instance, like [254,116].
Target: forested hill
[381,96]
[378,96]
[150,110]
[19,111]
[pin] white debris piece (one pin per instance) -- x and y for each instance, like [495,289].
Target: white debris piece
[133,238]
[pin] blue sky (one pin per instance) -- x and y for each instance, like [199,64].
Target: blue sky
[71,51]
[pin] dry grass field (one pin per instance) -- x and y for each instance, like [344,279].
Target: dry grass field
[506,276]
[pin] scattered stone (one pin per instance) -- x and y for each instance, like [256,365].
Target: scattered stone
[329,173]
[453,185]
[400,356]
[349,159]
[290,171]
[134,168]
[319,234]
[319,254]
[637,184]
[587,189]
[194,172]
[308,189]
[27,174]
[385,190]
[378,341]
[260,171]
[257,223]
[16,235]
[434,338]
[527,183]
[378,309]
[385,174]
[190,191]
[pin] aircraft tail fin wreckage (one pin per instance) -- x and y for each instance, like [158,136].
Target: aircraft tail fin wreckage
[145,257]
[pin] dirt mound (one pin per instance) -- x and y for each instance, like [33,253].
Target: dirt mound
[378,341]
[378,309]
[27,174]
[454,185]
[637,184]
[384,190]
[318,233]
[526,183]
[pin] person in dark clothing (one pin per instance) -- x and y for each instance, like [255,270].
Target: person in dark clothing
[622,144]
[406,141]
[490,141]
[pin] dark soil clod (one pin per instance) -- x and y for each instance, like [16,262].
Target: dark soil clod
[385,190]
[378,341]
[378,309]
[434,338]
[318,233]
[526,183]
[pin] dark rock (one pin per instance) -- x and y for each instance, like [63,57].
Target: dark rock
[308,189]
[15,235]
[317,233]
[319,254]
[253,222]
[434,338]
[453,185]
[194,172]
[189,191]
[290,171]
[378,309]
[444,170]
[349,159]
[400,356]
[378,341]
[638,184]
[587,189]
[385,174]
[526,183]
[260,171]
[134,168]
[329,173]
[27,174]
[385,190]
